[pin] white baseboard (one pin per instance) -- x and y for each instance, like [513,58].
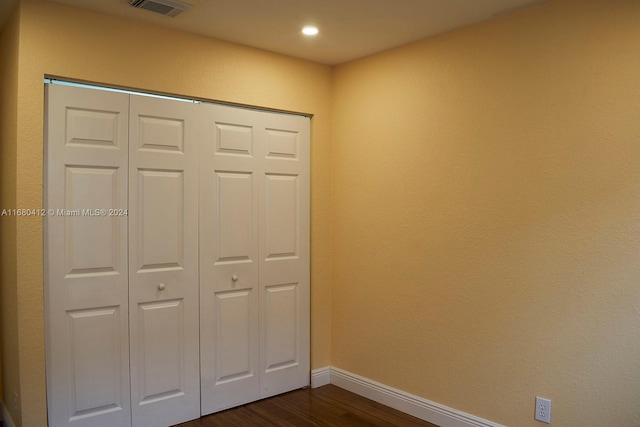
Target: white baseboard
[419,407]
[320,377]
[5,416]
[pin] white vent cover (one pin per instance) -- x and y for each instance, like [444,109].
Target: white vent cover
[165,7]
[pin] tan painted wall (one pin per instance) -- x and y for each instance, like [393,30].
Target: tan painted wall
[487,216]
[67,42]
[9,360]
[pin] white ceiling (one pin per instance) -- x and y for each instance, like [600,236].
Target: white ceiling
[349,29]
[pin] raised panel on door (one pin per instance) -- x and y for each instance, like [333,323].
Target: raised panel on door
[161,209]
[281,210]
[163,286]
[86,274]
[229,213]
[95,364]
[284,255]
[88,189]
[162,372]
[281,326]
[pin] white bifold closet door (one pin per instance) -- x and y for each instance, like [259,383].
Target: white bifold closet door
[121,292]
[163,260]
[254,256]
[86,279]
[176,257]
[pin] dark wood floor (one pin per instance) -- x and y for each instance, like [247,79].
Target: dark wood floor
[324,406]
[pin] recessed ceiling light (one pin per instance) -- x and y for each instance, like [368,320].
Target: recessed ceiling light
[310,30]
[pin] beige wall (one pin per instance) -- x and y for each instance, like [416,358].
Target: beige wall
[61,41]
[9,360]
[486,216]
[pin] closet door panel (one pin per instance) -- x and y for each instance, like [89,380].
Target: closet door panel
[281,326]
[284,254]
[88,190]
[95,361]
[86,300]
[163,286]
[162,374]
[229,215]
[161,224]
[254,256]
[281,212]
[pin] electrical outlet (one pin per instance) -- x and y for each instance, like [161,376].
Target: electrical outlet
[543,410]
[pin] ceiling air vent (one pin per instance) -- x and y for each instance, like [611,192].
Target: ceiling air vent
[164,7]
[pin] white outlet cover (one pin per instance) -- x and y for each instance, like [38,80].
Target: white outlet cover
[543,410]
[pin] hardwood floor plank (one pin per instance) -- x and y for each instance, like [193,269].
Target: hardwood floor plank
[326,406]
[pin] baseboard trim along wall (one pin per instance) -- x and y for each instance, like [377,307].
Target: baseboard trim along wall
[397,399]
[320,377]
[5,416]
